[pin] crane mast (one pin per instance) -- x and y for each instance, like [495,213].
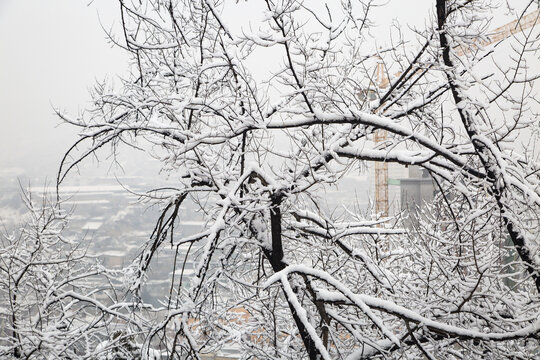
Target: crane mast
[381,167]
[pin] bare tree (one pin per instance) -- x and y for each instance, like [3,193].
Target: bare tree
[279,274]
[55,301]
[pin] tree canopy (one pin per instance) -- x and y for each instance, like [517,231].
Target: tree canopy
[279,273]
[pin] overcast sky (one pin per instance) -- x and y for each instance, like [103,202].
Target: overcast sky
[52,52]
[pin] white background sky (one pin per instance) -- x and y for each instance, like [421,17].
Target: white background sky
[52,52]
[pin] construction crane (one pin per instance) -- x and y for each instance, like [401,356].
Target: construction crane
[380,136]
[381,167]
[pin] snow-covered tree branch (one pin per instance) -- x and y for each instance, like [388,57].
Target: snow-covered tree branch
[256,118]
[56,302]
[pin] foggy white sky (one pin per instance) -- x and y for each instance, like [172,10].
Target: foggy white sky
[52,52]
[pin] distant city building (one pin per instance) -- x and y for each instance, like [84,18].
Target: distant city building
[409,188]
[416,189]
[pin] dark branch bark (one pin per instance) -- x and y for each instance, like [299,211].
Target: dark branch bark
[275,257]
[488,162]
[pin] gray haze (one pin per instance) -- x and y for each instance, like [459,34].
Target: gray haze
[52,52]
